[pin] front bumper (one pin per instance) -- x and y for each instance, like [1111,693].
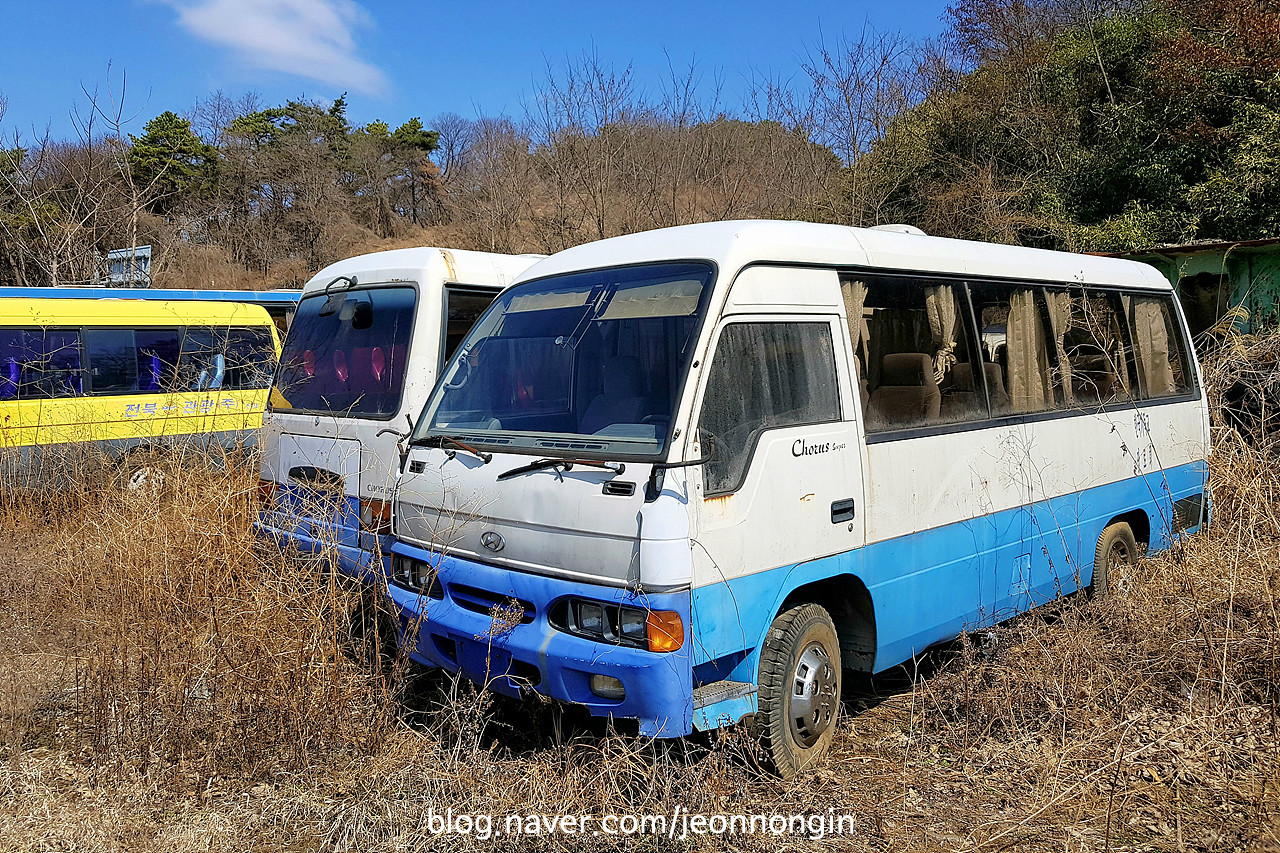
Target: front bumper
[457,633]
[357,552]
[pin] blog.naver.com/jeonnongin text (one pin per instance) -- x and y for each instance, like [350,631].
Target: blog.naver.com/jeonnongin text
[678,824]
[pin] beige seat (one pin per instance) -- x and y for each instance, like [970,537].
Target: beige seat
[907,393]
[961,400]
[995,387]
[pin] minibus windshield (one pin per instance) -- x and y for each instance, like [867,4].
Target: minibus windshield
[578,363]
[346,353]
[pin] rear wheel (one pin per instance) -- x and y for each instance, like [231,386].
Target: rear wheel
[800,682]
[1116,547]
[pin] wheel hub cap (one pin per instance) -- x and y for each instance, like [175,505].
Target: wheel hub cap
[814,698]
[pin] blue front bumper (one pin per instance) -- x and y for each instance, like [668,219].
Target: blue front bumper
[358,552]
[457,633]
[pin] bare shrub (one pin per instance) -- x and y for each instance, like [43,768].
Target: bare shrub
[164,685]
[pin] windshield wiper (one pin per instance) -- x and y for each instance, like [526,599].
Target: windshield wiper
[563,465]
[442,440]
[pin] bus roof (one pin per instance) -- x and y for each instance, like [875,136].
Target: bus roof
[735,244]
[129,313]
[427,263]
[275,298]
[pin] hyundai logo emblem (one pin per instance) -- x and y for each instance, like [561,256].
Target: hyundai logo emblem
[492,540]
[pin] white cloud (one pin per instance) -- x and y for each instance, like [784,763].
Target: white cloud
[307,38]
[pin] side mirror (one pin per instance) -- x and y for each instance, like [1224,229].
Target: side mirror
[363,316]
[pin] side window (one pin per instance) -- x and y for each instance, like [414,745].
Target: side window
[250,359]
[13,354]
[39,364]
[157,358]
[915,355]
[113,360]
[461,310]
[764,376]
[1015,348]
[1089,348]
[202,366]
[1159,346]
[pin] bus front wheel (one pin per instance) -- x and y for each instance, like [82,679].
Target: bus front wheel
[799,694]
[1116,547]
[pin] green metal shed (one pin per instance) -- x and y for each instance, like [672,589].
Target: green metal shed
[1212,278]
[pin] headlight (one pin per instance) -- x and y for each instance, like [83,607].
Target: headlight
[591,618]
[417,576]
[631,624]
[654,630]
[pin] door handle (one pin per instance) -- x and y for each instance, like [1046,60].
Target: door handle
[842,511]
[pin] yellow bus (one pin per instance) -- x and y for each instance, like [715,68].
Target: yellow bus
[123,375]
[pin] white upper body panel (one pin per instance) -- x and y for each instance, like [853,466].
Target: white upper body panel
[735,244]
[430,270]
[427,267]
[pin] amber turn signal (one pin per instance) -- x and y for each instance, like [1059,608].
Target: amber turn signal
[266,491]
[665,631]
[375,516]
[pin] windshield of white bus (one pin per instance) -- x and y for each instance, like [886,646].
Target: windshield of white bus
[346,353]
[579,363]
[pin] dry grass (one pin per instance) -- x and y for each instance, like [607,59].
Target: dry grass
[164,686]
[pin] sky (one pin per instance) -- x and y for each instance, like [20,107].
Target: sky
[396,59]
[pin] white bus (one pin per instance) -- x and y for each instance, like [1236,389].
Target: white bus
[363,351]
[690,475]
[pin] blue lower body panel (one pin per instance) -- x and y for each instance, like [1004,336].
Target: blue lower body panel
[457,633]
[930,586]
[292,521]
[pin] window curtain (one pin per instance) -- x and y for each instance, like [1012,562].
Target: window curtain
[1028,358]
[940,306]
[1151,340]
[1119,358]
[855,298]
[1059,303]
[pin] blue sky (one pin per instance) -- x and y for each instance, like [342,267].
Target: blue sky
[396,58]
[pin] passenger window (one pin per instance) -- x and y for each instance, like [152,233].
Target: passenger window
[39,364]
[1014,347]
[915,355]
[157,358]
[251,359]
[1157,341]
[113,360]
[764,376]
[1089,348]
[201,364]
[461,310]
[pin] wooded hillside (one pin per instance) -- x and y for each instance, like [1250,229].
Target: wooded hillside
[1078,124]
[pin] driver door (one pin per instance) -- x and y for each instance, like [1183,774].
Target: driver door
[784,482]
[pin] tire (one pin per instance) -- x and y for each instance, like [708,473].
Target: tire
[800,681]
[372,640]
[1116,546]
[142,470]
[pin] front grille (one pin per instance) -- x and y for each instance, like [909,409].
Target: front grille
[484,601]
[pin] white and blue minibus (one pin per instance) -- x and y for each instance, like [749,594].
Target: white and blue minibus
[364,349]
[690,475]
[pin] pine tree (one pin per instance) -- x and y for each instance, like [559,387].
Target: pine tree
[169,162]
